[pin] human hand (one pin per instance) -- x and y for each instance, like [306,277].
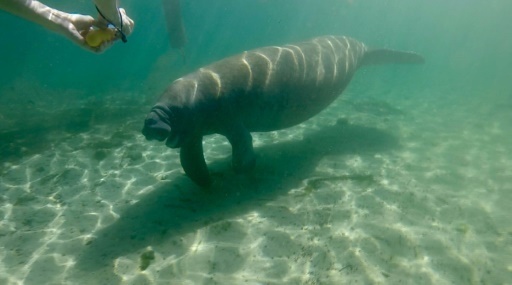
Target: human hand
[127,23]
[76,26]
[73,26]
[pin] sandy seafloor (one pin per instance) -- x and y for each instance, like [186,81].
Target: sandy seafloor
[380,189]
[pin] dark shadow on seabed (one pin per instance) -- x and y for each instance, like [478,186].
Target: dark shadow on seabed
[179,207]
[37,129]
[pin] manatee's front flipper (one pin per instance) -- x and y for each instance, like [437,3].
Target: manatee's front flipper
[242,150]
[192,161]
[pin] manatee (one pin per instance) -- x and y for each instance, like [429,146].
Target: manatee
[261,90]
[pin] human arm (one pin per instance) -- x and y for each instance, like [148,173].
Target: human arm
[72,26]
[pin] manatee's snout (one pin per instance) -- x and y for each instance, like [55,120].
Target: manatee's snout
[155,128]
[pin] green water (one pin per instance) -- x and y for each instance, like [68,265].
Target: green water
[406,179]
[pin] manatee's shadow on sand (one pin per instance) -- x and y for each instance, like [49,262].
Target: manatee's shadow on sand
[179,207]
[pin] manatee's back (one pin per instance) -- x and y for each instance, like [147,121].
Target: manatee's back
[276,87]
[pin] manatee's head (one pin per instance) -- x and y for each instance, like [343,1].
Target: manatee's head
[164,123]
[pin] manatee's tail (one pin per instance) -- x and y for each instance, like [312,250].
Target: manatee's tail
[386,56]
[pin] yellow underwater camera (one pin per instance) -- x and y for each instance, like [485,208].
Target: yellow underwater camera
[95,37]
